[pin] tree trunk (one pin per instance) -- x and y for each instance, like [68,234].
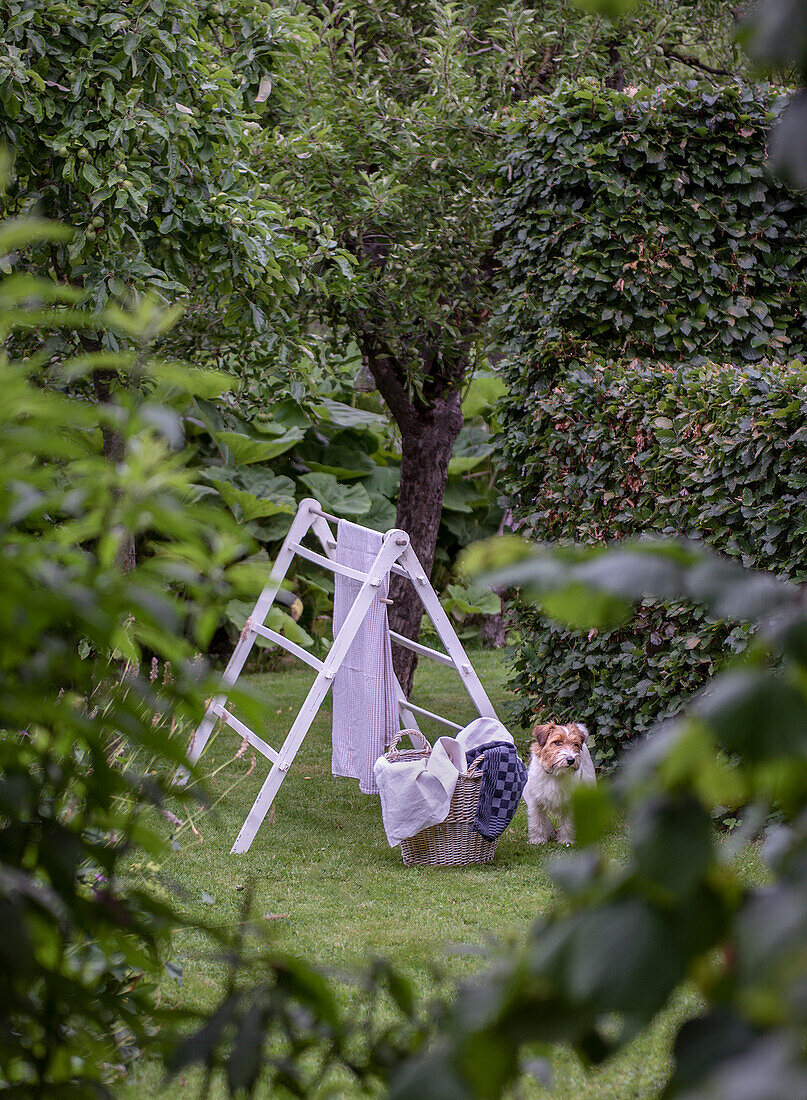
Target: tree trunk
[113,444]
[615,77]
[492,628]
[429,428]
[424,474]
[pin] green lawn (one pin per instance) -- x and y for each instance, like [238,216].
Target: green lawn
[336,893]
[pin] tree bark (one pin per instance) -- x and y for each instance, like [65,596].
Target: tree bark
[615,77]
[114,447]
[429,429]
[424,475]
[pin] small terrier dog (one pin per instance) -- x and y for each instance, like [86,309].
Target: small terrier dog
[559,760]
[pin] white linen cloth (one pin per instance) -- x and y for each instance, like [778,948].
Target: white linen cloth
[481,732]
[416,794]
[365,704]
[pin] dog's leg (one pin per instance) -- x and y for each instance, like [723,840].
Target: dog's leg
[539,827]
[565,831]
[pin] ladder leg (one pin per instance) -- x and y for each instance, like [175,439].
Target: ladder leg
[205,728]
[302,521]
[279,770]
[319,689]
[446,633]
[403,709]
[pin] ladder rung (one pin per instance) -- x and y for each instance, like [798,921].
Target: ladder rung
[423,650]
[404,704]
[245,731]
[284,643]
[328,563]
[337,567]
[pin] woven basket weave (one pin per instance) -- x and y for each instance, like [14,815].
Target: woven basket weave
[454,842]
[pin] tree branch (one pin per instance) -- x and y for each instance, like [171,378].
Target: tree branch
[390,380]
[693,62]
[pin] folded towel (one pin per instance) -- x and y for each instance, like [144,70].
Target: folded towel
[504,778]
[416,794]
[482,731]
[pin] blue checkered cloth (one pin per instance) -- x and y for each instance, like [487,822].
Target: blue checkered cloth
[504,778]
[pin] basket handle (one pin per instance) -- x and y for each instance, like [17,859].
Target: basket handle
[411,734]
[476,766]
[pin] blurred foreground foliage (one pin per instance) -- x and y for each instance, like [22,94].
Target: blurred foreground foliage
[626,936]
[81,946]
[88,738]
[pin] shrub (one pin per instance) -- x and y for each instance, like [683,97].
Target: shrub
[86,749]
[644,229]
[616,450]
[646,226]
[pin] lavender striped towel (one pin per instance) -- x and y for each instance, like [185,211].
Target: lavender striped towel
[365,704]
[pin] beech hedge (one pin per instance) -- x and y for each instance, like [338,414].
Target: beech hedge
[713,452]
[642,245]
[646,225]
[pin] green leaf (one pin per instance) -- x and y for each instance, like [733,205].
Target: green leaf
[788,147]
[199,383]
[342,500]
[482,393]
[342,462]
[460,495]
[612,9]
[755,716]
[577,606]
[344,416]
[462,464]
[290,414]
[245,450]
[238,611]
[593,811]
[494,554]
[384,480]
[253,493]
[473,600]
[673,843]
[382,514]
[244,1066]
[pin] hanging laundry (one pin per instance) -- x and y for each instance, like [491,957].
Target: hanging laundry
[365,703]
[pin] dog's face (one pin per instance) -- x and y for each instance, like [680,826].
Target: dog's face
[559,749]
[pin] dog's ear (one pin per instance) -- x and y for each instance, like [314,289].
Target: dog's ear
[583,730]
[541,733]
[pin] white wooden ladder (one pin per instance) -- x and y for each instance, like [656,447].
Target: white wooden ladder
[395,556]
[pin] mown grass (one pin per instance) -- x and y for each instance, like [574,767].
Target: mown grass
[334,892]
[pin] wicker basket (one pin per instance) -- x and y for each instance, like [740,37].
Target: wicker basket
[454,842]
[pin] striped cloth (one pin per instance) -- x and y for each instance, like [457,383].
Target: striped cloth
[504,778]
[365,705]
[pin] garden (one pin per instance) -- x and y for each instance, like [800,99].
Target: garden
[516,298]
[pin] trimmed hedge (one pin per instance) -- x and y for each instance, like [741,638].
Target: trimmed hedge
[717,452]
[647,226]
[636,232]
[712,452]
